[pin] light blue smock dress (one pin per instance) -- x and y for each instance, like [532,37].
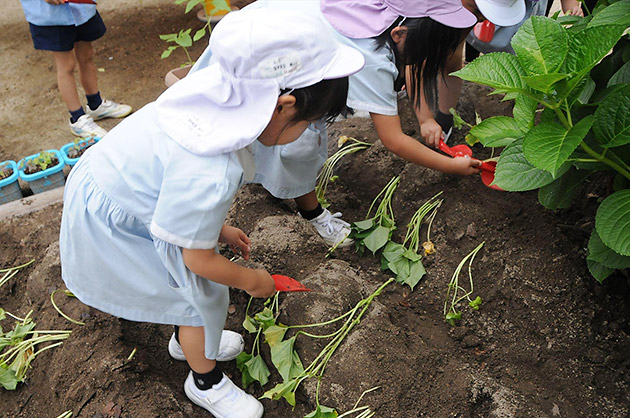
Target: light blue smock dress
[289,171]
[132,202]
[502,39]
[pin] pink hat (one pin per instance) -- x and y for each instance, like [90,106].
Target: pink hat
[368,18]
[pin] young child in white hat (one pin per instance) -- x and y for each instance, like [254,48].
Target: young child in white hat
[144,208]
[390,34]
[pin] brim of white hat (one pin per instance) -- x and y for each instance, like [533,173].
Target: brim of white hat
[460,19]
[500,15]
[347,61]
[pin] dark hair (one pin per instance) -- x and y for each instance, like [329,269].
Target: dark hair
[323,100]
[427,47]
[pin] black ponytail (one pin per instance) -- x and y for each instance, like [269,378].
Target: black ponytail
[428,45]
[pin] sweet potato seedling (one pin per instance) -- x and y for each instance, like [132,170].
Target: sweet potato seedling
[286,359]
[326,175]
[454,291]
[12,271]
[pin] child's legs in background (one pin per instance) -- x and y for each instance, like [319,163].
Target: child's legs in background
[65,64]
[87,69]
[192,341]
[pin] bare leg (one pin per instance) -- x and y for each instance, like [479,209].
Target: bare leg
[307,202]
[450,87]
[193,344]
[87,69]
[65,63]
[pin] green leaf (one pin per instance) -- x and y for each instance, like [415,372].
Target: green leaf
[543,82]
[622,76]
[616,14]
[282,356]
[265,317]
[258,370]
[364,225]
[599,271]
[241,361]
[169,37]
[377,238]
[588,47]
[541,45]
[274,334]
[560,193]
[451,317]
[600,253]
[548,145]
[612,221]
[284,390]
[8,379]
[475,303]
[250,325]
[497,131]
[411,255]
[524,112]
[199,34]
[401,268]
[393,251]
[499,70]
[612,119]
[184,39]
[322,412]
[416,273]
[583,91]
[514,173]
[191,4]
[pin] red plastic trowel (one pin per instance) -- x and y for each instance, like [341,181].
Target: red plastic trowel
[487,167]
[287,284]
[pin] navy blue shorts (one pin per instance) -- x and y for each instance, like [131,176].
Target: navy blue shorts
[62,38]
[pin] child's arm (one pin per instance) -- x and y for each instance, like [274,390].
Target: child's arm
[390,132]
[571,7]
[215,267]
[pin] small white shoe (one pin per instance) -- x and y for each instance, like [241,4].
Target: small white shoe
[85,127]
[333,229]
[109,109]
[231,345]
[224,400]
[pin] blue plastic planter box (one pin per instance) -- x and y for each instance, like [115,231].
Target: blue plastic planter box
[81,143]
[48,179]
[9,187]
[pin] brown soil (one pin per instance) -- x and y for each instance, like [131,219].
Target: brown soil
[548,340]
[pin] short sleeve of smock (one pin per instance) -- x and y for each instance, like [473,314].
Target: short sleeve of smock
[372,88]
[192,206]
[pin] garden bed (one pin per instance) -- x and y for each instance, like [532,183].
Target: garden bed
[547,341]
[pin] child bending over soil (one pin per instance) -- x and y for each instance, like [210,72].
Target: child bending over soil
[67,28]
[391,34]
[142,218]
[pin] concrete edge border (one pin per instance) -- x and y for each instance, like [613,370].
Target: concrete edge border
[31,204]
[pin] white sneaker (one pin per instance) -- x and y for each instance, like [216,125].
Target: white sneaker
[224,400]
[85,126]
[333,229]
[230,347]
[109,109]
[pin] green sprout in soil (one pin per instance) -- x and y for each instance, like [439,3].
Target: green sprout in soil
[373,233]
[12,271]
[80,146]
[454,290]
[20,346]
[404,260]
[67,414]
[182,39]
[5,171]
[41,162]
[326,175]
[284,356]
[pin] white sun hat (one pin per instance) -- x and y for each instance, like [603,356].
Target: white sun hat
[256,53]
[502,12]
